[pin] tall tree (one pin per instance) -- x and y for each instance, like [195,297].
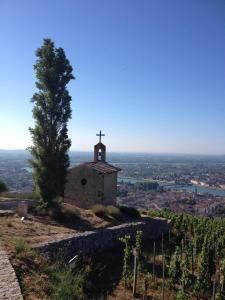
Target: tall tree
[51,112]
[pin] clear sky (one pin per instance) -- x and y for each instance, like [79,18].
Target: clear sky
[149,73]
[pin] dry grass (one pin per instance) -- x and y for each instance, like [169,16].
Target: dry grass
[19,195]
[36,229]
[99,210]
[152,293]
[114,212]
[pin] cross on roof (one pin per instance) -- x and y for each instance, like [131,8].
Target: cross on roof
[100,134]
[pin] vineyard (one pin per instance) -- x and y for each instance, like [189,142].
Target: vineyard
[188,263]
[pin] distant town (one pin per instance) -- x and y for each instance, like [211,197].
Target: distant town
[185,183]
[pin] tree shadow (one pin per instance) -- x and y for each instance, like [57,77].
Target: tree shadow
[106,273]
[70,221]
[74,222]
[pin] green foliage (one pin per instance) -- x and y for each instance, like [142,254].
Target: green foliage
[127,256]
[21,245]
[204,278]
[51,113]
[182,295]
[67,282]
[220,296]
[147,280]
[69,285]
[39,208]
[222,273]
[138,242]
[185,277]
[130,212]
[138,247]
[174,270]
[3,186]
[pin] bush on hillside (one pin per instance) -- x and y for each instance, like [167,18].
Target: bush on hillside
[39,209]
[3,186]
[130,212]
[99,210]
[114,212]
[62,212]
[21,245]
[68,283]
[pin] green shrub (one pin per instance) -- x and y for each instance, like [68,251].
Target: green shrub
[39,209]
[130,212]
[68,283]
[3,186]
[21,245]
[114,212]
[65,212]
[70,210]
[181,295]
[99,210]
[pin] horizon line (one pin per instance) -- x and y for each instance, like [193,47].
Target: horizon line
[133,152]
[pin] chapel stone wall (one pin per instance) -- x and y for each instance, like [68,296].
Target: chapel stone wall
[84,187]
[110,188]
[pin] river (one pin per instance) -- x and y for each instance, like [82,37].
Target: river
[187,188]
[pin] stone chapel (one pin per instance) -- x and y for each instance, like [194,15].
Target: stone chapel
[92,182]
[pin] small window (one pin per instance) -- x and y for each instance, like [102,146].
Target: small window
[83,181]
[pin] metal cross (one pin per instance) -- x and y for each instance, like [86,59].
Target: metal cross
[100,136]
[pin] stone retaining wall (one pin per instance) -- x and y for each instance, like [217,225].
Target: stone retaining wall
[93,242]
[11,204]
[9,286]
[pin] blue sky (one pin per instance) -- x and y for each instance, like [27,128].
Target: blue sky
[149,73]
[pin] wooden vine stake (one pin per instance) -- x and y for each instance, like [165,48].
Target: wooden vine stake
[214,288]
[182,248]
[192,260]
[163,277]
[153,267]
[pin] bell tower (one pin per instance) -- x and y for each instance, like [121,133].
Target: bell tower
[100,149]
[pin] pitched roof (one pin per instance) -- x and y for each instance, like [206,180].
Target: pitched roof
[102,167]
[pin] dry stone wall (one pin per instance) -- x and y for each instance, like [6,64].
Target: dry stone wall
[9,286]
[12,204]
[93,242]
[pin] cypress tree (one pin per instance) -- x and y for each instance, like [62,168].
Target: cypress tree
[51,112]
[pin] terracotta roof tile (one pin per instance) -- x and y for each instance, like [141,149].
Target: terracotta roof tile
[102,167]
